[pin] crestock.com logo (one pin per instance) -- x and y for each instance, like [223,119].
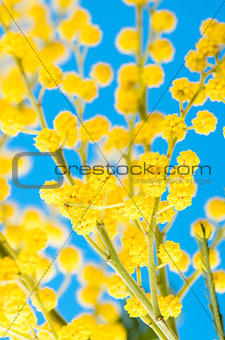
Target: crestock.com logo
[62,170]
[15,171]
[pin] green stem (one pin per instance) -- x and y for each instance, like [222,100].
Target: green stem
[151,260]
[116,264]
[36,106]
[57,317]
[196,274]
[171,145]
[162,281]
[98,249]
[138,273]
[161,277]
[65,284]
[83,152]
[16,335]
[214,303]
[149,322]
[60,160]
[3,140]
[94,207]
[34,291]
[201,86]
[188,283]
[140,61]
[219,237]
[129,156]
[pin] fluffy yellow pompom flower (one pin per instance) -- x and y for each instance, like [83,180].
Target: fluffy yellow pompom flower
[42,29]
[155,183]
[88,90]
[117,287]
[169,252]
[94,129]
[215,89]
[11,291]
[196,229]
[207,29]
[35,239]
[13,87]
[108,311]
[6,164]
[45,269]
[69,260]
[115,331]
[134,241]
[20,314]
[219,281]
[150,130]
[182,265]
[207,47]
[215,209]
[136,2]
[188,158]
[163,21]
[4,189]
[15,235]
[134,307]
[153,75]
[6,18]
[204,123]
[71,83]
[214,259]
[165,216]
[118,138]
[174,126]
[48,140]
[34,218]
[69,28]
[80,328]
[182,89]
[127,40]
[195,61]
[50,76]
[90,271]
[128,75]
[162,51]
[90,35]
[126,100]
[8,269]
[54,52]
[88,296]
[170,306]
[180,195]
[28,261]
[64,4]
[30,116]
[66,125]
[14,44]
[156,161]
[102,73]
[12,120]
[48,298]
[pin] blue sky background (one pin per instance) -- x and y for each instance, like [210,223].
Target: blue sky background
[111,16]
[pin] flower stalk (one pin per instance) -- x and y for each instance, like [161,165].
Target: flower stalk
[115,262]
